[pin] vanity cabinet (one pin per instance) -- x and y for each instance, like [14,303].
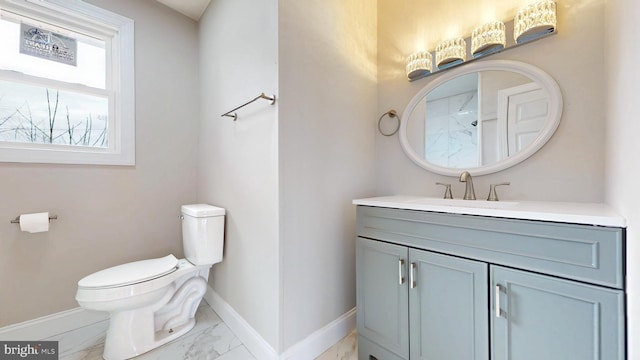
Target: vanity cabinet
[541,317]
[382,299]
[439,286]
[412,302]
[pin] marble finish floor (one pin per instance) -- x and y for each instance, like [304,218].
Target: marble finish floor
[346,349]
[210,339]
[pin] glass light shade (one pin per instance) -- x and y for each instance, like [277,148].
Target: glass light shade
[488,38]
[451,52]
[418,64]
[535,20]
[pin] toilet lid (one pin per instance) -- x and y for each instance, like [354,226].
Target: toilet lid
[130,273]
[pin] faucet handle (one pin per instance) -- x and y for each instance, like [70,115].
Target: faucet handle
[447,190]
[493,195]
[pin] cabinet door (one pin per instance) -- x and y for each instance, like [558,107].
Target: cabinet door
[540,317]
[448,305]
[382,296]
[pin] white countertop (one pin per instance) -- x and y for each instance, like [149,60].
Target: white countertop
[578,213]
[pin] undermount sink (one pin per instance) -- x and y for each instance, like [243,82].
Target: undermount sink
[482,204]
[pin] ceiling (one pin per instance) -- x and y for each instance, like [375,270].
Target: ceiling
[190,8]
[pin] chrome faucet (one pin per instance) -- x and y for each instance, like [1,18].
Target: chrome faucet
[469,193]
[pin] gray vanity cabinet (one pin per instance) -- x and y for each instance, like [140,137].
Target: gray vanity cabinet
[382,299]
[415,304]
[542,317]
[447,307]
[435,286]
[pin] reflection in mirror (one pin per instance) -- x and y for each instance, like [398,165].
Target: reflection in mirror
[443,128]
[485,119]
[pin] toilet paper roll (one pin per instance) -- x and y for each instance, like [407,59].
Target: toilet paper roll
[34,223]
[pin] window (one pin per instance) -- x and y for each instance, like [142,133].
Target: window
[66,84]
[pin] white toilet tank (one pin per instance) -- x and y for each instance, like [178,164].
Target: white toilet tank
[202,233]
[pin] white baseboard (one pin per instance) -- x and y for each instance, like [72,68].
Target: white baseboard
[322,339]
[309,348]
[255,343]
[51,325]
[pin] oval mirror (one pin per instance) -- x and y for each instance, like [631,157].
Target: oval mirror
[483,117]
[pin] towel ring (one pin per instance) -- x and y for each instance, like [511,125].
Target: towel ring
[392,114]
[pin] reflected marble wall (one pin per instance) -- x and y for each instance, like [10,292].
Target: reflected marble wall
[451,136]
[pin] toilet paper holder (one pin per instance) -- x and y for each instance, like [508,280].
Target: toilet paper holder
[17,219]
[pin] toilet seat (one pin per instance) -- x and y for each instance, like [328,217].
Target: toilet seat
[161,279]
[131,273]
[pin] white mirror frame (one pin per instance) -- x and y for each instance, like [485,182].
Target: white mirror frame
[534,73]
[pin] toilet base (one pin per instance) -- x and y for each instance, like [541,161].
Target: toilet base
[116,350]
[137,331]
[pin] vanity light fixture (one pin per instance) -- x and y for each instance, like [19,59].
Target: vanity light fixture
[488,38]
[534,21]
[451,52]
[419,64]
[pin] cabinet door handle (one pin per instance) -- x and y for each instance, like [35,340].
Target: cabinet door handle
[412,282]
[498,311]
[400,268]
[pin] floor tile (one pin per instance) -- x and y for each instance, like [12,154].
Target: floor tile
[209,339]
[345,349]
[238,353]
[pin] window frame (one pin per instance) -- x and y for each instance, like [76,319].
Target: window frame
[118,33]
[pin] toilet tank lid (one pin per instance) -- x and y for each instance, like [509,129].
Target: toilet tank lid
[130,273]
[202,210]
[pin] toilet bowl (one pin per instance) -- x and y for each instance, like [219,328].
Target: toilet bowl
[152,302]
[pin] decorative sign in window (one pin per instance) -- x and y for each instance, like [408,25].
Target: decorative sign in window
[47,45]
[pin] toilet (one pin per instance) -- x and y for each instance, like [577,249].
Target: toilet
[152,302]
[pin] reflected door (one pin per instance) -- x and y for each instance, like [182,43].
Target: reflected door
[522,111]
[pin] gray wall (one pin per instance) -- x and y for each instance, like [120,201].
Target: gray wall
[571,166]
[238,163]
[287,173]
[327,121]
[109,215]
[623,127]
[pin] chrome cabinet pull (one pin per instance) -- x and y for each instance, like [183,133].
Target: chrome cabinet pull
[412,282]
[498,311]
[400,268]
